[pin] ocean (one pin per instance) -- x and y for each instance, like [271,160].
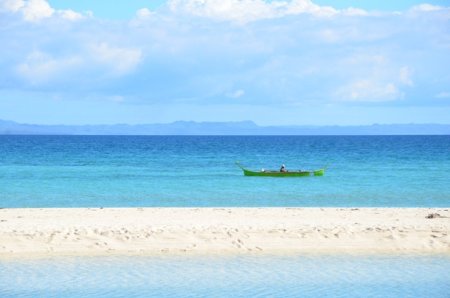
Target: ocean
[200,171]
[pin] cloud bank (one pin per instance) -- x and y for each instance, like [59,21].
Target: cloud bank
[289,53]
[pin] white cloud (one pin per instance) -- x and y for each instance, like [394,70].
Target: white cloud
[11,5]
[40,67]
[70,15]
[235,10]
[306,6]
[119,60]
[368,90]
[35,10]
[243,11]
[425,7]
[373,78]
[287,59]
[143,13]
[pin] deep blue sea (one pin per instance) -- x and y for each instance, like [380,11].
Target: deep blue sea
[183,171]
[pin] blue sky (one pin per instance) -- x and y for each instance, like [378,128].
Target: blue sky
[124,9]
[276,63]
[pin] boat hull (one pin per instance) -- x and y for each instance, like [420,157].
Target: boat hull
[319,172]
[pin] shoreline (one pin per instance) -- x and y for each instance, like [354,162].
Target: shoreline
[46,232]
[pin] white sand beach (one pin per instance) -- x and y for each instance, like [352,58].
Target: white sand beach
[117,231]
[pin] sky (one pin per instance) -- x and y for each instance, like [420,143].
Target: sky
[291,62]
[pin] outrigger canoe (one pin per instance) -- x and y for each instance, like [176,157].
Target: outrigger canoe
[266,173]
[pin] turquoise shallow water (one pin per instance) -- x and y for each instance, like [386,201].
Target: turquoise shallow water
[109,171]
[243,276]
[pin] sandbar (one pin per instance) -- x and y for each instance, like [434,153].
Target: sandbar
[147,231]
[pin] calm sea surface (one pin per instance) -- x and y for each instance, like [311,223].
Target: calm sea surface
[111,171]
[249,276]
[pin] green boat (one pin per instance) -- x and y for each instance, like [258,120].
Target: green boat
[268,173]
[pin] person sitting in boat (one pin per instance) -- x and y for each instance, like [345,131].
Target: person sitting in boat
[283,169]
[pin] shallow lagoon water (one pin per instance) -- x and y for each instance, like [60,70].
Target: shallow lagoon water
[229,276]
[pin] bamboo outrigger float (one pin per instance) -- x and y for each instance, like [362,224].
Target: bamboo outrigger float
[271,173]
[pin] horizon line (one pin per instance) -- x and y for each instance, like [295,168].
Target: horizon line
[223,122]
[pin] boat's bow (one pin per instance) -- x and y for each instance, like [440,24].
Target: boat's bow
[246,172]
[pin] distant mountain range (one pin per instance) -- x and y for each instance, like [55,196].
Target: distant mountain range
[222,128]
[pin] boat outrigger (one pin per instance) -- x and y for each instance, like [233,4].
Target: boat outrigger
[267,173]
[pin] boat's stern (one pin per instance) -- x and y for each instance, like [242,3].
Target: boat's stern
[320,172]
